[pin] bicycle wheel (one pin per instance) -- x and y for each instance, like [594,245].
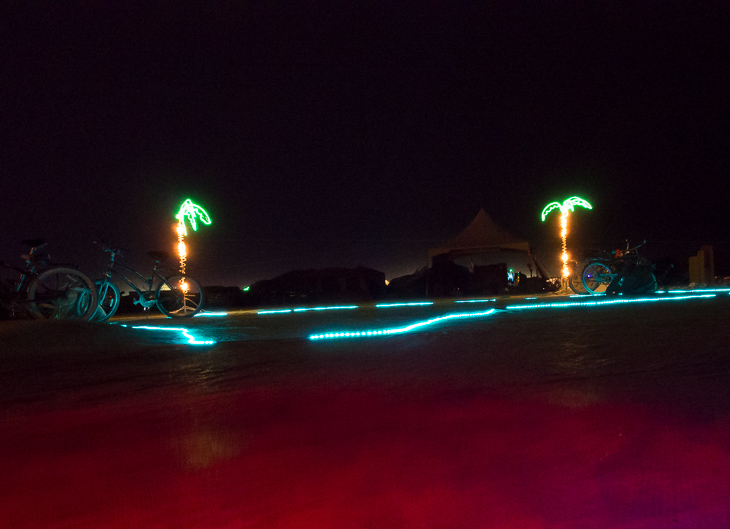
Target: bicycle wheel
[109,298]
[62,294]
[575,280]
[596,277]
[179,298]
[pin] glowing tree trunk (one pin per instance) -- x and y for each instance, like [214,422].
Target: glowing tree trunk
[181,250]
[564,237]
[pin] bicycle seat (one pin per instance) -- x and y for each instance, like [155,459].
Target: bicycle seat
[33,243]
[159,256]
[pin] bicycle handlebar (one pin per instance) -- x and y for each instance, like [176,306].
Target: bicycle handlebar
[103,246]
[642,243]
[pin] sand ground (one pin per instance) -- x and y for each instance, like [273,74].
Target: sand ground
[606,416]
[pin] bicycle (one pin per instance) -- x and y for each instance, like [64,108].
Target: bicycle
[625,273]
[575,281]
[588,255]
[48,291]
[175,297]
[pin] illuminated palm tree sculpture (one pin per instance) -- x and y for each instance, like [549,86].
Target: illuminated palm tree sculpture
[191,212]
[565,208]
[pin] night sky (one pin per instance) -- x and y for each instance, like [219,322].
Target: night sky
[323,134]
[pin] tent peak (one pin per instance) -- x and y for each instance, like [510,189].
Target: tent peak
[481,234]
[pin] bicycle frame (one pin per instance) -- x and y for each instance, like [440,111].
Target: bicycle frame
[11,297]
[48,291]
[146,297]
[175,297]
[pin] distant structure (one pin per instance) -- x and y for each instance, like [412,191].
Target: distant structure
[478,260]
[702,267]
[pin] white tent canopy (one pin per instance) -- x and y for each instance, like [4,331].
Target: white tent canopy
[481,236]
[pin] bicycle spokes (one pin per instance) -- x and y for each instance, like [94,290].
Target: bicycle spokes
[62,293]
[180,297]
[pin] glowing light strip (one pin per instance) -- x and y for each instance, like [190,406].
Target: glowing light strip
[603,302]
[191,339]
[413,304]
[695,290]
[474,300]
[344,307]
[307,309]
[397,330]
[210,314]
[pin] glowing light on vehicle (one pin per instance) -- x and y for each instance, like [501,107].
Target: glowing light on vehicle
[565,208]
[191,339]
[411,304]
[397,330]
[560,305]
[210,314]
[308,309]
[191,212]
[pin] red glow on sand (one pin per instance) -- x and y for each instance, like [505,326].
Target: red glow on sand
[360,457]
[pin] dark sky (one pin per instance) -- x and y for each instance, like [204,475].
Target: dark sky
[321,134]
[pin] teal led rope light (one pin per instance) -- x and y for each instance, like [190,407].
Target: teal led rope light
[307,309]
[396,330]
[411,304]
[474,300]
[191,339]
[723,290]
[558,305]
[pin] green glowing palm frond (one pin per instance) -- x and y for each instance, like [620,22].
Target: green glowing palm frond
[549,208]
[567,205]
[577,201]
[192,211]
